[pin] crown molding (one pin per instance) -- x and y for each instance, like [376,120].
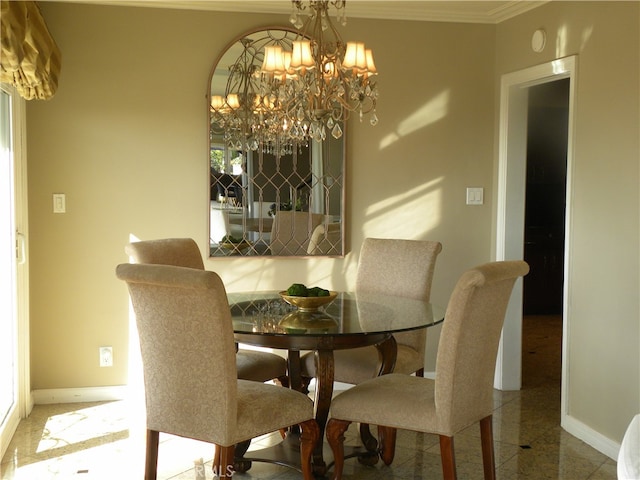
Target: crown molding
[490,12]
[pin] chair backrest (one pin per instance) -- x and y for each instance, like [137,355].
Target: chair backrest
[181,252]
[468,345]
[219,223]
[291,231]
[399,267]
[326,239]
[188,350]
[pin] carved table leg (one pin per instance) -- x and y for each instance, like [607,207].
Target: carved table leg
[388,351]
[295,377]
[294,369]
[324,391]
[239,464]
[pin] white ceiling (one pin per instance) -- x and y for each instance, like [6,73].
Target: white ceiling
[475,11]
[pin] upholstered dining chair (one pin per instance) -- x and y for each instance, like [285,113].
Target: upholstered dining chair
[291,232]
[462,392]
[184,252]
[326,239]
[393,267]
[189,368]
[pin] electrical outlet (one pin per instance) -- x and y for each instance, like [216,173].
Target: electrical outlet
[106,356]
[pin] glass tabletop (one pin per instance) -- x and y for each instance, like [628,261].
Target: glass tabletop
[350,313]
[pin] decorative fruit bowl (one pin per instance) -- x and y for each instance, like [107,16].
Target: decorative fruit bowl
[229,242]
[235,246]
[312,322]
[308,304]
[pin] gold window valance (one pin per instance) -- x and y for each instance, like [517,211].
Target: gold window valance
[30,58]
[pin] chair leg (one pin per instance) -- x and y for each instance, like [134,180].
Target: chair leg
[387,438]
[488,453]
[283,380]
[308,439]
[151,460]
[448,458]
[224,468]
[304,385]
[368,440]
[335,436]
[216,459]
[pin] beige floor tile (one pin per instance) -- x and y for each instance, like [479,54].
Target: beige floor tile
[106,441]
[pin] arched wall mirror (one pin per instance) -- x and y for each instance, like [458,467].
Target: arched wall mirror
[270,194]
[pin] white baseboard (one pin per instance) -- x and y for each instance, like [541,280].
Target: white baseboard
[75,395]
[588,435]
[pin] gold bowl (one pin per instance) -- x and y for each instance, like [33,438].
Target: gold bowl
[235,245]
[312,322]
[308,304]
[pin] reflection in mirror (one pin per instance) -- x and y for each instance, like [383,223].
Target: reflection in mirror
[269,195]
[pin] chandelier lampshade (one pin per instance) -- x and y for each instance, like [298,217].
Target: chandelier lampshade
[326,79]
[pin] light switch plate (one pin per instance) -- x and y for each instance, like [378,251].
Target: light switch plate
[475,195]
[59,203]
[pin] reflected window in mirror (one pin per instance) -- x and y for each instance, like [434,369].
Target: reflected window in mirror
[268,196]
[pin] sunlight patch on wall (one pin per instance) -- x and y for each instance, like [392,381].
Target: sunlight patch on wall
[561,41]
[432,111]
[410,214]
[586,36]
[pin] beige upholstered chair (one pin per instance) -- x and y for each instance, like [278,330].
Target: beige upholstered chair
[184,252]
[291,232]
[393,267]
[190,376]
[462,392]
[326,239]
[629,454]
[180,252]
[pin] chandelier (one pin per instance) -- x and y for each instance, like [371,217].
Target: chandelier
[321,80]
[281,93]
[247,119]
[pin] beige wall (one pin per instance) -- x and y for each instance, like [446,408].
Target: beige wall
[126,139]
[603,352]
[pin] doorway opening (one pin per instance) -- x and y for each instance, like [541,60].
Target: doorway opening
[510,211]
[545,199]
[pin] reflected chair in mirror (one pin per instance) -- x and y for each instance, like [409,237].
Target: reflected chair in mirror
[326,239]
[291,231]
[462,392]
[191,381]
[228,188]
[184,252]
[393,267]
[219,225]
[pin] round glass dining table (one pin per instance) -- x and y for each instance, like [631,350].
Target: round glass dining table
[351,320]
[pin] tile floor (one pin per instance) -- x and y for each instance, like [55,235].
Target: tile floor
[106,440]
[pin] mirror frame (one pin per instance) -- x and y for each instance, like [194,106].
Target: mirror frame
[242,243]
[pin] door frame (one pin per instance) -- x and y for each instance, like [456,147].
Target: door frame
[511,184]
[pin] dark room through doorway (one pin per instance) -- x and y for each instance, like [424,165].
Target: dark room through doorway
[544,237]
